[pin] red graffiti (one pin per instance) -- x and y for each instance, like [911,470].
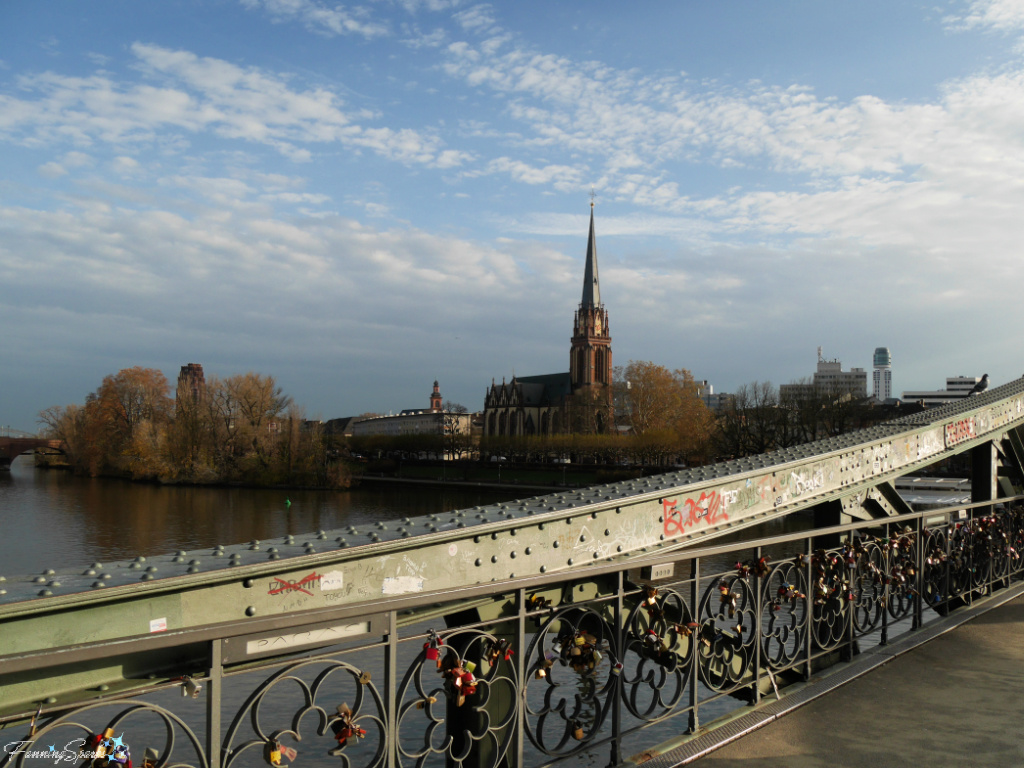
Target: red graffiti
[959,431]
[708,507]
[294,586]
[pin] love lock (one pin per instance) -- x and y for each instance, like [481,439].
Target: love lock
[459,681]
[344,727]
[274,752]
[499,649]
[728,598]
[577,730]
[432,648]
[546,663]
[654,610]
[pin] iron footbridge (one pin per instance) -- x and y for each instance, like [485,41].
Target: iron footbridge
[526,632]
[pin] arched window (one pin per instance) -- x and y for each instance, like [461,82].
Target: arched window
[491,420]
[502,423]
[545,423]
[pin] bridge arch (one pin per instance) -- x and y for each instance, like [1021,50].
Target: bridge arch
[13,447]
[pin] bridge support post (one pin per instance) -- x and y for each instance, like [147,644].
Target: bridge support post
[984,482]
[214,690]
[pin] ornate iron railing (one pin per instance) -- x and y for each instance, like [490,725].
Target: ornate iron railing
[606,663]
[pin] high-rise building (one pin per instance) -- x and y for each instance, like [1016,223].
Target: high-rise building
[957,388]
[829,380]
[882,375]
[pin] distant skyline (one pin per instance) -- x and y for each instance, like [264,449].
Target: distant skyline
[360,199]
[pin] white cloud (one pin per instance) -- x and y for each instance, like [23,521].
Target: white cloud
[52,170]
[336,20]
[201,95]
[999,15]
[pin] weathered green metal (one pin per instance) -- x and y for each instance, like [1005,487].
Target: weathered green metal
[229,589]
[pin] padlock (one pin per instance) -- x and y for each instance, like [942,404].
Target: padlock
[577,730]
[102,747]
[272,752]
[150,759]
[364,678]
[617,668]
[190,687]
[761,569]
[423,703]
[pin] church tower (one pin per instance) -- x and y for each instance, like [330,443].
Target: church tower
[589,407]
[435,398]
[590,357]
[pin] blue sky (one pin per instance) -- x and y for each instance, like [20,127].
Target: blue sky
[358,199]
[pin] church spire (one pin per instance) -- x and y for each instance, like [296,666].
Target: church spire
[591,287]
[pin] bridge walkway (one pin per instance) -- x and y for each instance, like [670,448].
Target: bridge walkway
[951,695]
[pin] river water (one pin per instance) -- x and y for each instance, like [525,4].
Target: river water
[52,519]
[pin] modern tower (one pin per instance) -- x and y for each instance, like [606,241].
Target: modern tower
[882,375]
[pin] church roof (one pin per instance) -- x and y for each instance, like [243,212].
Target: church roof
[547,389]
[591,287]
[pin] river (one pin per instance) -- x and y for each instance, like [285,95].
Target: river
[52,519]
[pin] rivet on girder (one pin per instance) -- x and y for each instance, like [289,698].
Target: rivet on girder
[146,577]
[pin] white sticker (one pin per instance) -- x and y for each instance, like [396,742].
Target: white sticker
[400,585]
[452,549]
[331,581]
[158,625]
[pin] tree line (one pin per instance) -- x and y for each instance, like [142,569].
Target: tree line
[239,429]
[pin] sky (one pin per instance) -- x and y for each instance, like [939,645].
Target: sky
[360,199]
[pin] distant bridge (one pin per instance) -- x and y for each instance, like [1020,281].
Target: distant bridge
[14,443]
[590,570]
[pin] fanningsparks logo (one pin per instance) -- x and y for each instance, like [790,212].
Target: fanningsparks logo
[101,750]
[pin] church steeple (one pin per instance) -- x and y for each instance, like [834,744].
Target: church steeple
[591,286]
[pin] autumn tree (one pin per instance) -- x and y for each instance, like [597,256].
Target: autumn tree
[651,398]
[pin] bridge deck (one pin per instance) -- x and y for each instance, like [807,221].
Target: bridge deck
[954,700]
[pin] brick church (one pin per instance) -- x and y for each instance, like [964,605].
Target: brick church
[577,401]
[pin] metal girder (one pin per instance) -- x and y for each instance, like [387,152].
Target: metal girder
[421,558]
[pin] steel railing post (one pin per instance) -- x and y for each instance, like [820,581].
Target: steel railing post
[620,639]
[809,602]
[694,667]
[518,743]
[390,692]
[214,692]
[756,629]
